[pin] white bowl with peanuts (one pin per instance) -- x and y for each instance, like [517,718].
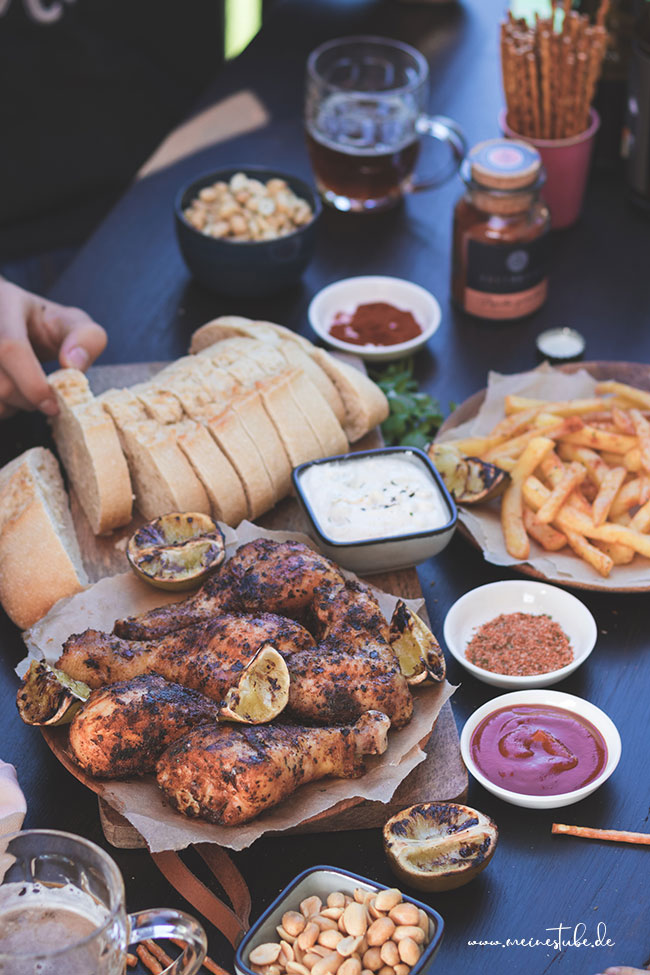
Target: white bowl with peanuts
[328,921]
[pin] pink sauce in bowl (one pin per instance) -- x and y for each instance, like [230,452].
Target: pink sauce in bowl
[538,750]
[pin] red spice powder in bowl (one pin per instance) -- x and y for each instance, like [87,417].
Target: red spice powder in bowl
[519,633]
[520,644]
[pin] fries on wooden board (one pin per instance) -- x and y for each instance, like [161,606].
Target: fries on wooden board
[579,474]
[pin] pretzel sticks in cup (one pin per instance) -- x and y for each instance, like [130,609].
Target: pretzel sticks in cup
[550,71]
[579,474]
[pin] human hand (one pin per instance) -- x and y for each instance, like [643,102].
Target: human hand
[33,328]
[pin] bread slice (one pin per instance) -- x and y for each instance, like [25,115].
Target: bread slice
[318,415]
[300,441]
[219,478]
[90,450]
[233,439]
[250,409]
[229,326]
[365,404]
[299,359]
[163,478]
[40,561]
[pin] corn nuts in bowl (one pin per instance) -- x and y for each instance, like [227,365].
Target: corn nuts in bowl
[247,230]
[328,921]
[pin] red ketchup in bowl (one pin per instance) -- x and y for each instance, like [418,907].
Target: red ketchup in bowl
[538,750]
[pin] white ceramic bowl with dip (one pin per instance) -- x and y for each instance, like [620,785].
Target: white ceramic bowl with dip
[479,606]
[376,509]
[346,296]
[568,702]
[321,881]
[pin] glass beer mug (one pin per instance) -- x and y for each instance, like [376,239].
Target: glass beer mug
[62,911]
[364,115]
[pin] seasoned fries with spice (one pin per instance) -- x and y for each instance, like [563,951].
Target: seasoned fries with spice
[579,474]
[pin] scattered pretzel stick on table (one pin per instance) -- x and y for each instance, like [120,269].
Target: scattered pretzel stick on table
[613,835]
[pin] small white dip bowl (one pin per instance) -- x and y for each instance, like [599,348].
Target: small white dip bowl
[569,702]
[388,552]
[479,606]
[348,294]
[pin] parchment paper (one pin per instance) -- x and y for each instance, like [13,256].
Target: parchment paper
[141,802]
[483,521]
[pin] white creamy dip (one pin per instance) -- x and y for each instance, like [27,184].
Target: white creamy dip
[374,497]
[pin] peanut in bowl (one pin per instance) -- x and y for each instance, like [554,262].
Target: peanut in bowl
[312,888]
[247,230]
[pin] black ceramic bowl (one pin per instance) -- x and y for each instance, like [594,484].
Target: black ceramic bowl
[250,267]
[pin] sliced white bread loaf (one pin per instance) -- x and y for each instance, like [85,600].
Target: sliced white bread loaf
[163,478]
[40,561]
[90,450]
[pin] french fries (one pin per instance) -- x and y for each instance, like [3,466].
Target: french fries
[579,474]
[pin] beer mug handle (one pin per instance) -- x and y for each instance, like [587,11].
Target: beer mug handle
[444,130]
[165,923]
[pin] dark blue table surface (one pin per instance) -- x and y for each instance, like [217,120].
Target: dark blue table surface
[131,278]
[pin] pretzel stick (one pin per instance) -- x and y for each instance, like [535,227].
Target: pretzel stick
[531,65]
[158,953]
[613,835]
[602,13]
[148,960]
[207,962]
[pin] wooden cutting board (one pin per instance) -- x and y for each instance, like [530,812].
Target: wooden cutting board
[442,776]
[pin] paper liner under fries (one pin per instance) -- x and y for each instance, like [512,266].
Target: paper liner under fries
[483,521]
[141,801]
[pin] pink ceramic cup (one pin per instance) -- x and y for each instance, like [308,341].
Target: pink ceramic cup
[566,162]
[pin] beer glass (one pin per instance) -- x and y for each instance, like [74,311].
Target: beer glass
[62,911]
[364,116]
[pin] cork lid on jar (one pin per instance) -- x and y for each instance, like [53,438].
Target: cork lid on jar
[504,164]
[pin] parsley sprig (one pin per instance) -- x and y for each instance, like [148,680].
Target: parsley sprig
[414,416]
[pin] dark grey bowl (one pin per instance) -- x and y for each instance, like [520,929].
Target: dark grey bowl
[253,267]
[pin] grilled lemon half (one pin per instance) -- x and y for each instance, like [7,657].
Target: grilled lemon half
[262,690]
[436,846]
[176,551]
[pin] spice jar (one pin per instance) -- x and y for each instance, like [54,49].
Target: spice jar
[501,232]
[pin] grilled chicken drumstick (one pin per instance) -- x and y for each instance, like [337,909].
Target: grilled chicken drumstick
[352,670]
[207,658]
[123,729]
[262,576]
[229,775]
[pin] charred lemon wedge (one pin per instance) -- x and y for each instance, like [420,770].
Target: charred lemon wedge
[416,648]
[47,696]
[438,846]
[469,480]
[262,690]
[176,551]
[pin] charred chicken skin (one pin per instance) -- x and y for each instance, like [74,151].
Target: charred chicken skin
[262,576]
[123,729]
[353,668]
[229,775]
[207,658]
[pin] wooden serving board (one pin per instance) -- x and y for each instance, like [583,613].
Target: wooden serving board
[442,776]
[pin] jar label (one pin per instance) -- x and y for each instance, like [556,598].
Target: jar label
[506,268]
[501,307]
